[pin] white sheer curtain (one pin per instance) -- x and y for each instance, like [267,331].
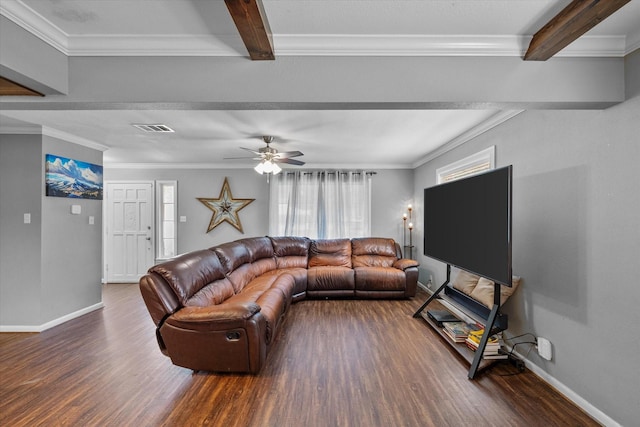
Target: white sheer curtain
[320,204]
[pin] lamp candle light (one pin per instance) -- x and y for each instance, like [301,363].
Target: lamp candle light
[406,223]
[410,239]
[404,228]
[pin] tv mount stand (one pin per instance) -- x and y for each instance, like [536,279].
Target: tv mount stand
[494,323]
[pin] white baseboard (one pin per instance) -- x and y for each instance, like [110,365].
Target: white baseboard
[52,323]
[574,397]
[587,407]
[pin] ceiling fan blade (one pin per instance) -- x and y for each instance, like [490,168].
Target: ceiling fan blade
[242,158]
[290,154]
[253,151]
[289,161]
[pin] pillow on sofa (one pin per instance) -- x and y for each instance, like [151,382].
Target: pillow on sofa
[466,282]
[483,291]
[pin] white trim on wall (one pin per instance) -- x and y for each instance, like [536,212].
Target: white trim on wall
[479,162]
[581,402]
[52,323]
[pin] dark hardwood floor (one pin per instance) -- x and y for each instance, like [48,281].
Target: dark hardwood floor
[336,363]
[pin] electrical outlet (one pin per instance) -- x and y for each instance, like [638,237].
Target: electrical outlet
[544,348]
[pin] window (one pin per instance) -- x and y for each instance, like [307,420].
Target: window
[167,211]
[476,163]
[321,204]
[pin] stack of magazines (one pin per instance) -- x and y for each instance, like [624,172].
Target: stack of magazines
[491,351]
[458,331]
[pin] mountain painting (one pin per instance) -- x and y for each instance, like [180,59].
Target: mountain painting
[72,178]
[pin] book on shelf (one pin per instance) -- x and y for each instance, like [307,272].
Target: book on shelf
[492,348]
[500,355]
[458,331]
[453,337]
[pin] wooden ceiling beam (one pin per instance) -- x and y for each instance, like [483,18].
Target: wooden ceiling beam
[253,27]
[572,22]
[11,88]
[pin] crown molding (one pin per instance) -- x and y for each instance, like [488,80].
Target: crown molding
[120,165]
[36,24]
[336,45]
[399,45]
[55,133]
[300,44]
[20,130]
[154,45]
[493,121]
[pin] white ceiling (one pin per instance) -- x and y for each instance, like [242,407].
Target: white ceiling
[354,138]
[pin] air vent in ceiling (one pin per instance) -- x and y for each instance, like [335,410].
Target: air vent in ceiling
[157,128]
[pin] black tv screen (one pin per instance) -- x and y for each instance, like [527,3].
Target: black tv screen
[467,223]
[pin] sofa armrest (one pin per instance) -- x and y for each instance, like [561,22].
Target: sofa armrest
[405,263]
[216,317]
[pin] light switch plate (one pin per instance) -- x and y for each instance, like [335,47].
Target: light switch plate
[76,209]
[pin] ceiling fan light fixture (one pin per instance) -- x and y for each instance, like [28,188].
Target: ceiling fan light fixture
[260,167]
[267,166]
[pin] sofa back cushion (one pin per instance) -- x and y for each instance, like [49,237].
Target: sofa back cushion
[189,273]
[212,294]
[261,254]
[258,247]
[330,252]
[232,255]
[291,252]
[373,252]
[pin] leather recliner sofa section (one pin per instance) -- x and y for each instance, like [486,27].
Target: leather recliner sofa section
[220,309]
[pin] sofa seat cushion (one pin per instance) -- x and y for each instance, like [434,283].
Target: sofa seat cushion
[379,279]
[330,278]
[273,294]
[299,277]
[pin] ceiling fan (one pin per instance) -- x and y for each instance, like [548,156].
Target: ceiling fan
[269,157]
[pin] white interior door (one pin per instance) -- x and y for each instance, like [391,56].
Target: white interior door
[129,231]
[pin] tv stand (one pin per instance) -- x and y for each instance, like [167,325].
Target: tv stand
[493,321]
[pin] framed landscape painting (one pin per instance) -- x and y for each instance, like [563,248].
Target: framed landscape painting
[72,178]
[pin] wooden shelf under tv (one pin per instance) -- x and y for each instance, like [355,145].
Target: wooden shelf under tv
[460,348]
[468,310]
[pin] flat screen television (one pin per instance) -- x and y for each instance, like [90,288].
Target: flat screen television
[467,224]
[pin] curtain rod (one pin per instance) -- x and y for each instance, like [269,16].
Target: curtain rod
[331,172]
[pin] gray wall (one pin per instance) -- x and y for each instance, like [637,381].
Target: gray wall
[51,267]
[391,190]
[576,242]
[71,247]
[21,174]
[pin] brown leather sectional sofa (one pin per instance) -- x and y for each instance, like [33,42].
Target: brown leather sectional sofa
[220,309]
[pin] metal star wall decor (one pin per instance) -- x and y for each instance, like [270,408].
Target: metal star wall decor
[225,208]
